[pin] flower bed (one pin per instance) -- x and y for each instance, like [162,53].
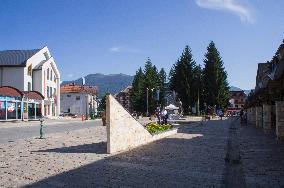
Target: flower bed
[156,128]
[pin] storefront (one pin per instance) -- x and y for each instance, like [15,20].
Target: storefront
[17,105]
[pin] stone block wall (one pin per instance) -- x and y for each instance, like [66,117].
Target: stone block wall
[251,116]
[267,119]
[280,119]
[258,116]
[124,131]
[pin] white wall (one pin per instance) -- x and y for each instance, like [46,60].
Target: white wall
[76,106]
[12,76]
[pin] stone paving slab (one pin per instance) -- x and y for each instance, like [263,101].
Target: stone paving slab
[192,158]
[262,158]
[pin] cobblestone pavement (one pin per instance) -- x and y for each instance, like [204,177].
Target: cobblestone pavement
[195,157]
[262,158]
[192,158]
[11,134]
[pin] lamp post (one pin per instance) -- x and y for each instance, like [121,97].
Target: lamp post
[147,101]
[152,89]
[86,106]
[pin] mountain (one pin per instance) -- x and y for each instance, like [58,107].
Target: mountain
[112,83]
[233,88]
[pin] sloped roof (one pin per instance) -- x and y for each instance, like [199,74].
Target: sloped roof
[16,57]
[73,88]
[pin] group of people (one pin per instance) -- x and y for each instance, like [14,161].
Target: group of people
[162,116]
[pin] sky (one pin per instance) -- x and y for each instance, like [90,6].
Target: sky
[117,36]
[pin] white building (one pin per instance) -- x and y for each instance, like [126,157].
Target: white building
[79,100]
[33,70]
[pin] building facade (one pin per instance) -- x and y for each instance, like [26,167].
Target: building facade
[237,100]
[123,97]
[265,105]
[33,70]
[79,100]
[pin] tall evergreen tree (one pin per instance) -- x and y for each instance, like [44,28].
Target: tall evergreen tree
[162,86]
[182,79]
[151,81]
[137,91]
[215,82]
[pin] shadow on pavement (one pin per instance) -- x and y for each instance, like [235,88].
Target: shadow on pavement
[98,148]
[179,161]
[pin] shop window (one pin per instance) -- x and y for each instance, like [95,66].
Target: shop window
[30,70]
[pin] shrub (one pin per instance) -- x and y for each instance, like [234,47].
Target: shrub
[155,128]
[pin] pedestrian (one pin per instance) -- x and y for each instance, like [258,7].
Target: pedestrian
[165,117]
[104,118]
[158,114]
[242,115]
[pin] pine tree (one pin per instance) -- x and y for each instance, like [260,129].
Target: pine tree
[215,83]
[137,91]
[151,85]
[182,79]
[162,86]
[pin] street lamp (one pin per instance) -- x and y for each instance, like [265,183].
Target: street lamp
[152,89]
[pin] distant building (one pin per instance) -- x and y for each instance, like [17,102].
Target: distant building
[78,99]
[32,70]
[237,100]
[123,97]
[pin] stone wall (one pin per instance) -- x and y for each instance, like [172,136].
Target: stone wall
[124,131]
[267,121]
[258,116]
[251,116]
[280,119]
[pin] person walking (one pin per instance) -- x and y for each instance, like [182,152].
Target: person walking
[165,117]
[158,114]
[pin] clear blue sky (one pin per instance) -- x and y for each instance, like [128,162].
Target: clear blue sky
[117,36]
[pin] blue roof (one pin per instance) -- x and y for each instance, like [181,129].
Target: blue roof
[16,57]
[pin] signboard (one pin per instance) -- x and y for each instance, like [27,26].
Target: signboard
[11,107]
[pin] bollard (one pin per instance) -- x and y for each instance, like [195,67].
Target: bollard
[41,128]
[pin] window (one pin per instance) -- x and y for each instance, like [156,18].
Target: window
[30,70]
[54,93]
[47,91]
[47,74]
[29,86]
[54,79]
[51,75]
[68,95]
[46,55]
[77,98]
[50,92]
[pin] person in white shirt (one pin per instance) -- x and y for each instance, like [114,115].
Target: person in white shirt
[165,117]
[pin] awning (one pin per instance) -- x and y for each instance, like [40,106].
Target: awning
[14,92]
[33,95]
[10,91]
[171,107]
